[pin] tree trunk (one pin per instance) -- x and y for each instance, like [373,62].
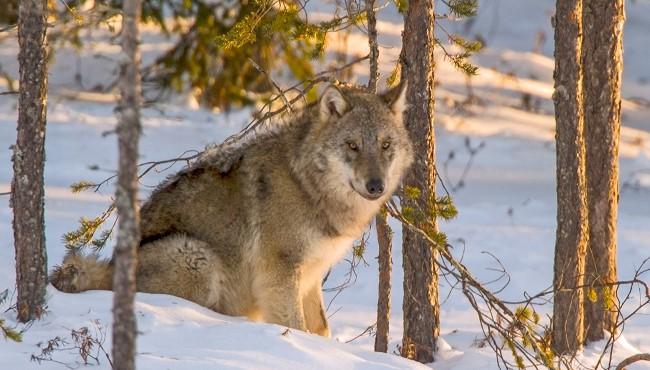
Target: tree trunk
[128,112]
[602,56]
[384,239]
[421,308]
[571,237]
[384,233]
[373,75]
[27,191]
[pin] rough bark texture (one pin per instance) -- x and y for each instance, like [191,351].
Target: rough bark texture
[384,233]
[421,308]
[384,238]
[571,236]
[372,43]
[128,111]
[27,191]
[602,58]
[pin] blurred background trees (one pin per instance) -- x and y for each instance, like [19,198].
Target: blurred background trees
[221,50]
[216,44]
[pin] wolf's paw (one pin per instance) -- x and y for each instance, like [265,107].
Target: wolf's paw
[66,278]
[324,332]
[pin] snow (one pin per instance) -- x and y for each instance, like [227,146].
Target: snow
[506,206]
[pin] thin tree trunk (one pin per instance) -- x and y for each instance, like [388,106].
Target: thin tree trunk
[384,233]
[420,305]
[384,239]
[602,56]
[571,236]
[374,46]
[27,190]
[128,111]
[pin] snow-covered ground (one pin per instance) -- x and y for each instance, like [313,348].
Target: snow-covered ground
[506,207]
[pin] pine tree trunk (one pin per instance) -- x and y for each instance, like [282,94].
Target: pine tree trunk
[373,45]
[384,239]
[571,237]
[384,233]
[27,191]
[603,65]
[128,112]
[421,308]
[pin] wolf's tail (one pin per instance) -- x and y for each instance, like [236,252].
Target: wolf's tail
[79,273]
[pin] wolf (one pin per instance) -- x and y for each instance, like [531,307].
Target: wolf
[250,230]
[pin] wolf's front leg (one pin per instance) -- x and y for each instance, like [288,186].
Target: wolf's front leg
[278,296]
[314,313]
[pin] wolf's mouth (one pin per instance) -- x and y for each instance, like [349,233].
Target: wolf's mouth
[371,197]
[366,195]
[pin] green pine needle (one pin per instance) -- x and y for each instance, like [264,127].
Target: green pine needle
[10,333]
[81,186]
[463,8]
[412,192]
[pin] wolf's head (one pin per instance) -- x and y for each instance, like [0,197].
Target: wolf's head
[360,143]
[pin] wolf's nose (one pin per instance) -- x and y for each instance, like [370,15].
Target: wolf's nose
[375,187]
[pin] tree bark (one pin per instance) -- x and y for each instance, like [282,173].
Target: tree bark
[128,112]
[384,233]
[602,57]
[374,46]
[571,236]
[384,239]
[420,305]
[27,191]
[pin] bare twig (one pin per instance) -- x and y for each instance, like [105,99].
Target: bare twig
[351,275]
[473,152]
[494,316]
[307,85]
[9,27]
[368,330]
[516,330]
[88,346]
[275,84]
[632,359]
[149,166]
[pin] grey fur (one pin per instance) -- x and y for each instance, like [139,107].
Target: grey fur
[251,229]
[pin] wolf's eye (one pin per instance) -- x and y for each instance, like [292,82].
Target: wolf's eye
[353,146]
[385,145]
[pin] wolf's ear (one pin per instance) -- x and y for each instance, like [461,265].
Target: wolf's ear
[396,97]
[332,104]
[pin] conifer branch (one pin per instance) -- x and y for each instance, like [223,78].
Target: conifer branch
[518,331]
